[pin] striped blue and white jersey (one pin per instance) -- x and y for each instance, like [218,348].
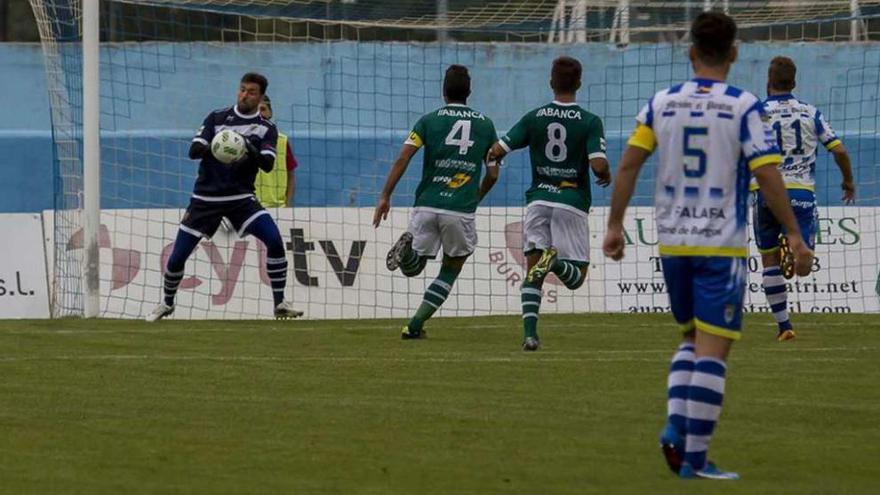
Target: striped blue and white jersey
[798,128]
[709,135]
[219,182]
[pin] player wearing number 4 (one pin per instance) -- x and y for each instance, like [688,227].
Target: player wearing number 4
[223,190]
[564,141]
[456,139]
[799,127]
[709,136]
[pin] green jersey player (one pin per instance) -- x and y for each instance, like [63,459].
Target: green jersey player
[456,140]
[565,141]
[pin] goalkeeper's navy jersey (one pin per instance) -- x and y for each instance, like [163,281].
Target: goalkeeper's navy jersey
[219,182]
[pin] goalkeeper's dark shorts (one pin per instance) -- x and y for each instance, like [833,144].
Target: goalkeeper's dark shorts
[203,217]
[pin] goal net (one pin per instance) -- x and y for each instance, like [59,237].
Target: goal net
[348,79]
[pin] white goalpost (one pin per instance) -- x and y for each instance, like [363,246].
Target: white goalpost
[91,91]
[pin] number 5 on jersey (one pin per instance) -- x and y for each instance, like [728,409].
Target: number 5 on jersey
[693,150]
[462,129]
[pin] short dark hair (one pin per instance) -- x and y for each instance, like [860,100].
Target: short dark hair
[781,75]
[565,76]
[457,83]
[712,34]
[258,79]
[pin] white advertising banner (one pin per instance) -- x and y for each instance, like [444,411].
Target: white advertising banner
[844,279]
[337,267]
[23,289]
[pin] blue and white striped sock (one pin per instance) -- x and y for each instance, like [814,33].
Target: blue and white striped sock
[705,396]
[678,384]
[777,296]
[276,270]
[172,282]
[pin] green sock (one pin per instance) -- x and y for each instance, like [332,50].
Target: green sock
[412,264]
[434,297]
[531,305]
[569,273]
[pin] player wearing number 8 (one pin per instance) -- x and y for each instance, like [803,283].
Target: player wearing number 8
[564,141]
[455,139]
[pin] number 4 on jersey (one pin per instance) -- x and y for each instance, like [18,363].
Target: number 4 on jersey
[462,128]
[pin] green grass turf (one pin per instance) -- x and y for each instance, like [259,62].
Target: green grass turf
[313,407]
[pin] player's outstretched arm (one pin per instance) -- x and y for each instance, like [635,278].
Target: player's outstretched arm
[624,185]
[197,150]
[493,170]
[774,193]
[841,158]
[201,141]
[601,170]
[397,171]
[263,161]
[496,153]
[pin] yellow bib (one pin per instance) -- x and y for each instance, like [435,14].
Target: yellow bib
[271,187]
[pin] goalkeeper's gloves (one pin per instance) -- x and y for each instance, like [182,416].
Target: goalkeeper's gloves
[253,155]
[252,151]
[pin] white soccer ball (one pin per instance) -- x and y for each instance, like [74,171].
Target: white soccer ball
[228,146]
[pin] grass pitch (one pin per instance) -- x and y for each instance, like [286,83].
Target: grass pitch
[346,407]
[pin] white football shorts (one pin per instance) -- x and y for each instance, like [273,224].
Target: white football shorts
[551,226]
[431,230]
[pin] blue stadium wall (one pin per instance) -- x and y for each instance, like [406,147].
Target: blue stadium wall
[348,106]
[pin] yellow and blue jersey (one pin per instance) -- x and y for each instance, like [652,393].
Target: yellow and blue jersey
[798,128]
[709,136]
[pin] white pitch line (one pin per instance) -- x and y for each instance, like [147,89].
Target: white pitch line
[792,350]
[294,327]
[795,349]
[159,329]
[330,359]
[358,359]
[791,403]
